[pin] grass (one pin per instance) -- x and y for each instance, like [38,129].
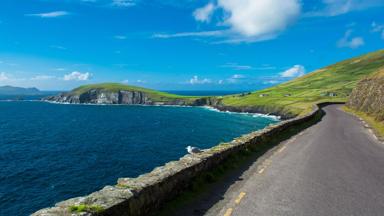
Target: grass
[377,126]
[314,87]
[86,208]
[115,87]
[293,98]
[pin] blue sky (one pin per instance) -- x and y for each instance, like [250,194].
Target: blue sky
[180,44]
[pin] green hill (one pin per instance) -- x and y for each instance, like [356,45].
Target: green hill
[115,87]
[297,97]
[116,93]
[332,84]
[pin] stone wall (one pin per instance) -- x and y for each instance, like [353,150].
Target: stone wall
[368,96]
[147,193]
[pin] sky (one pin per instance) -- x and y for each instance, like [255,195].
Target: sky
[180,44]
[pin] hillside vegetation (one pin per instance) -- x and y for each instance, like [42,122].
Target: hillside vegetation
[297,97]
[115,87]
[367,100]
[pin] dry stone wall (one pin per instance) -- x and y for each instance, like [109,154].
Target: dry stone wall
[147,193]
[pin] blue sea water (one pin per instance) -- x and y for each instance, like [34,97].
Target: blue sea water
[51,152]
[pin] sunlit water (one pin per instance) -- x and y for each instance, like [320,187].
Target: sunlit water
[52,152]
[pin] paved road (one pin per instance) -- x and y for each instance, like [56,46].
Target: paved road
[335,167]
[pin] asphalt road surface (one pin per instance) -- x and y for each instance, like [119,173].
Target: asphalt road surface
[335,167]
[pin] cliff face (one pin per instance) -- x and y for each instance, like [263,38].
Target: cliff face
[100,96]
[368,96]
[137,96]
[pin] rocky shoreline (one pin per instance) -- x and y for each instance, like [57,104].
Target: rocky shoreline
[102,97]
[99,96]
[145,194]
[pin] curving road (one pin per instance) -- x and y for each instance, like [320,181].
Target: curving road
[335,167]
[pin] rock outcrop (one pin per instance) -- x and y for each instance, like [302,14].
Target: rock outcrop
[128,95]
[368,96]
[100,96]
[104,96]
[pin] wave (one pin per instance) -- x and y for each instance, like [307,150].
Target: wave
[256,115]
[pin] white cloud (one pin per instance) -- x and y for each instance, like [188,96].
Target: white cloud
[78,76]
[236,66]
[123,3]
[125,81]
[50,14]
[190,34]
[3,76]
[271,82]
[58,47]
[266,67]
[293,72]
[378,28]
[255,19]
[120,37]
[245,20]
[238,76]
[43,77]
[195,80]
[205,13]
[350,42]
[339,7]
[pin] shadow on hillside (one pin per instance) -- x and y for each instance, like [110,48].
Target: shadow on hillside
[209,188]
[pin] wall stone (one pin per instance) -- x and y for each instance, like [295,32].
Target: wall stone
[368,97]
[148,192]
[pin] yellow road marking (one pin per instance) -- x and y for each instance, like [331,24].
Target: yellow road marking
[228,212]
[241,195]
[282,149]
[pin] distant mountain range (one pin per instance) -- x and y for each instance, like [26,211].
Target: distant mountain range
[11,90]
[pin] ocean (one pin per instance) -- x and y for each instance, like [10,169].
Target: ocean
[52,152]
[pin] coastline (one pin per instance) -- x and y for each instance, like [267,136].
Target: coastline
[210,108]
[149,191]
[274,117]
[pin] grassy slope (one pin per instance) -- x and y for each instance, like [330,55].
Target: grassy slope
[377,126]
[114,87]
[378,74]
[339,78]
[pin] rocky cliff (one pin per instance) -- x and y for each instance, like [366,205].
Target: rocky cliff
[110,93]
[101,96]
[96,96]
[368,96]
[130,97]
[115,93]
